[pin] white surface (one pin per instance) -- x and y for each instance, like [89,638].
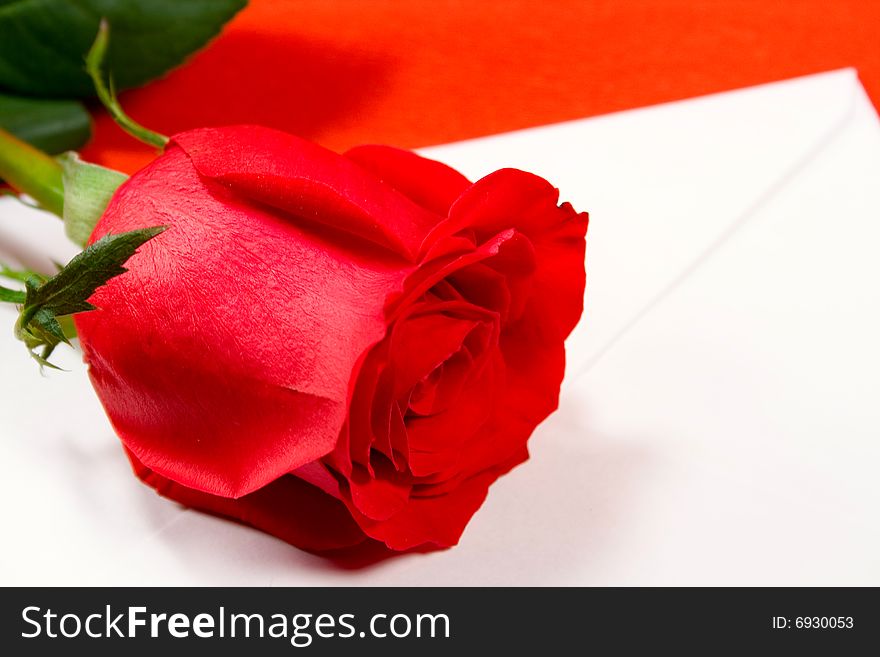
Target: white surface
[719,422]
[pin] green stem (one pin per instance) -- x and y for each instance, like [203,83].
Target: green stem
[107,94]
[31,172]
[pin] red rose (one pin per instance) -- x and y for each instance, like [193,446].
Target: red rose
[332,348]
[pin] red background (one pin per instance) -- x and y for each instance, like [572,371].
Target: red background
[417,73]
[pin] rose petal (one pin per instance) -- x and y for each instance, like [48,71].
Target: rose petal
[422,343]
[429,183]
[308,181]
[432,272]
[381,496]
[436,442]
[558,284]
[527,395]
[510,197]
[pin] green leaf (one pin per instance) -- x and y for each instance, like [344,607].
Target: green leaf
[44,41]
[40,323]
[88,189]
[53,126]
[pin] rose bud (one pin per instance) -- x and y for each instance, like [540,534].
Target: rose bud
[332,348]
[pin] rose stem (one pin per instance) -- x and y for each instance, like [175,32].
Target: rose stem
[32,172]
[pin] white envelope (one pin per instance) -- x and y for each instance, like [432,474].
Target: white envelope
[719,422]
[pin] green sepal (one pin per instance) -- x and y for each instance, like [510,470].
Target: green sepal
[88,189]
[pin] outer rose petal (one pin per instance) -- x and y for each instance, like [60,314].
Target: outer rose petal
[289,508]
[431,184]
[218,361]
[308,181]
